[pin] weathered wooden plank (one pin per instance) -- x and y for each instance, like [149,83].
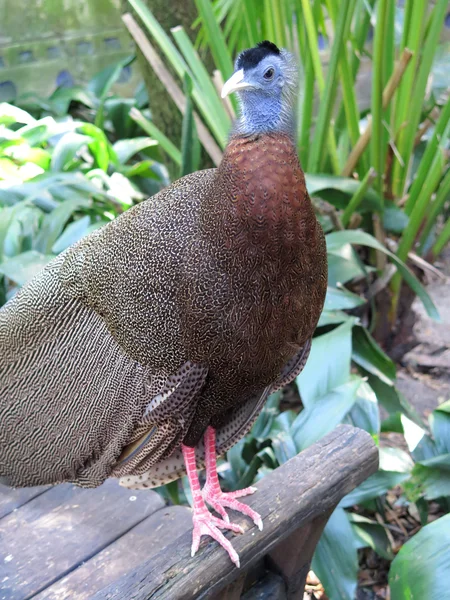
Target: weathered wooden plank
[292,557]
[309,485]
[12,498]
[55,532]
[139,544]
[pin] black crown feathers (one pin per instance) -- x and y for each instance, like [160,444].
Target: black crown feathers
[251,57]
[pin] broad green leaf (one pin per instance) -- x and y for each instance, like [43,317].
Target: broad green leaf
[338,238]
[394,218]
[371,534]
[72,234]
[440,427]
[54,222]
[421,570]
[102,83]
[67,149]
[430,478]
[338,191]
[38,132]
[368,354]
[324,414]
[99,146]
[335,560]
[10,114]
[62,97]
[25,266]
[341,299]
[126,149]
[395,459]
[284,447]
[365,413]
[343,265]
[392,400]
[333,317]
[330,356]
[264,422]
[376,485]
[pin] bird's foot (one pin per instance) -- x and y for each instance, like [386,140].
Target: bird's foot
[207,524]
[218,500]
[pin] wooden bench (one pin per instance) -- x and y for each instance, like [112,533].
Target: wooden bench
[68,543]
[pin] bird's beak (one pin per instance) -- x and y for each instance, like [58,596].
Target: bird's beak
[235,83]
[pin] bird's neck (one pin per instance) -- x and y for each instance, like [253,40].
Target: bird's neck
[274,115]
[260,205]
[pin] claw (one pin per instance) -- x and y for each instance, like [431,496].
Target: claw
[207,524]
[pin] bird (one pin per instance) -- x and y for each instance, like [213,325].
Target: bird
[148,348]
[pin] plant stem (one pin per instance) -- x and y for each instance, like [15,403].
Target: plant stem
[443,239]
[428,157]
[156,134]
[357,197]
[415,221]
[388,92]
[443,194]
[376,147]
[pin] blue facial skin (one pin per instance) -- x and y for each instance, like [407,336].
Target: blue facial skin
[267,105]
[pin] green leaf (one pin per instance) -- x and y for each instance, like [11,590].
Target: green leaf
[335,560]
[368,354]
[395,459]
[126,149]
[25,266]
[343,265]
[284,447]
[338,238]
[365,413]
[310,425]
[440,427]
[62,97]
[330,356]
[371,534]
[99,146]
[190,144]
[338,191]
[334,317]
[422,567]
[341,299]
[67,149]
[374,486]
[394,218]
[392,400]
[102,83]
[10,114]
[155,133]
[430,479]
[72,234]
[54,222]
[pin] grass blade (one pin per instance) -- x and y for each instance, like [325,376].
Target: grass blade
[156,134]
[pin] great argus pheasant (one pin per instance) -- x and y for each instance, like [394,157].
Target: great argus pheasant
[149,347]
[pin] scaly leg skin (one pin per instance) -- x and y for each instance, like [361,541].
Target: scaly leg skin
[204,522]
[213,495]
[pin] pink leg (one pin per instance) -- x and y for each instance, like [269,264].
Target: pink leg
[212,493]
[204,522]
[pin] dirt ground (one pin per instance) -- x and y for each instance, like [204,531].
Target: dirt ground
[425,374]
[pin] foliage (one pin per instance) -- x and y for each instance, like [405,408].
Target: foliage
[62,177]
[399,135]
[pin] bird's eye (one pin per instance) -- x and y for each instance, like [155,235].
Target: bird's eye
[269,74]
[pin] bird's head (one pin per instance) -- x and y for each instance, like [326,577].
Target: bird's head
[266,80]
